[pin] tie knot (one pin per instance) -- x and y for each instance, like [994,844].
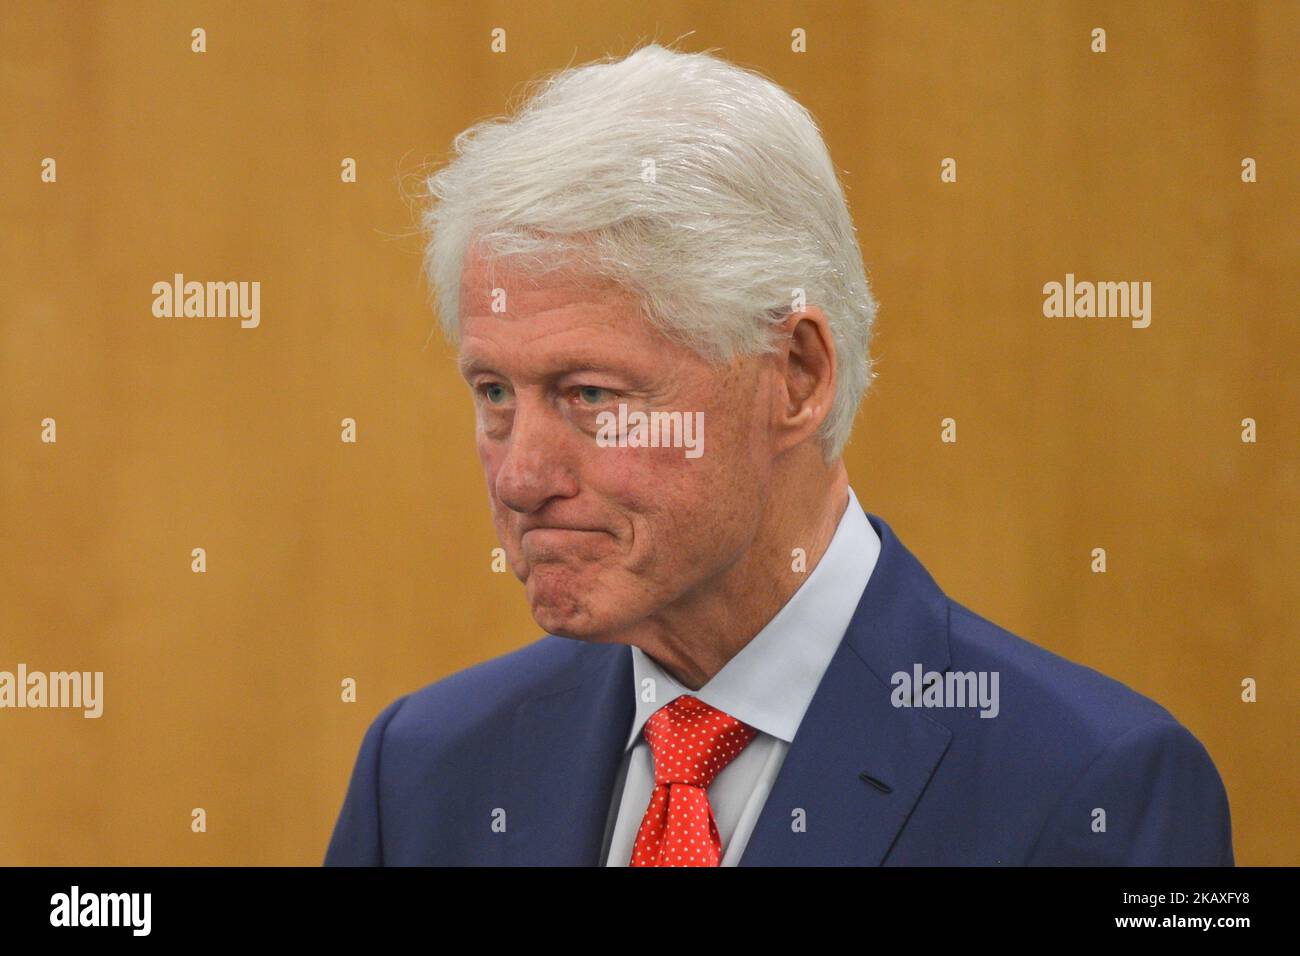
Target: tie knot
[692,741]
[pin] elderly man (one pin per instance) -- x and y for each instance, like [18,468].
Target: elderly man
[741,666]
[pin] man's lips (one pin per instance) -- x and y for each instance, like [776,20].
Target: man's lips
[544,535]
[554,529]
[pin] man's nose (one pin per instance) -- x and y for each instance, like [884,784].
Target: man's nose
[536,465]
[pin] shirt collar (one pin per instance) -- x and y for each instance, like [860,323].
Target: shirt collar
[771,681]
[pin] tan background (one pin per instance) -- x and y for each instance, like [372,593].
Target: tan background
[328,560]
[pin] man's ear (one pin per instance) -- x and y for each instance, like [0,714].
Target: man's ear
[806,377]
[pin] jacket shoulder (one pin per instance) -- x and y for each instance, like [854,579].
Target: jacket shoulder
[491,690]
[430,753]
[1038,683]
[1091,744]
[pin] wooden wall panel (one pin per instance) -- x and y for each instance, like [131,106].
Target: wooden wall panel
[370,561]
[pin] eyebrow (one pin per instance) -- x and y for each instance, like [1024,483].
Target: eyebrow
[473,366]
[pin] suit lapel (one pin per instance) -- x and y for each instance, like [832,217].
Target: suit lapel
[821,811]
[566,750]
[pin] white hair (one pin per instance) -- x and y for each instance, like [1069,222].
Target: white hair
[702,187]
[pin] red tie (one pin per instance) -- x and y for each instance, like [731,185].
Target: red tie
[691,743]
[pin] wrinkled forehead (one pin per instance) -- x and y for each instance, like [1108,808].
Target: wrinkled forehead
[489,283]
[509,297]
[549,325]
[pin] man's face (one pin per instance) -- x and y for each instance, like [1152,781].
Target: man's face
[604,537]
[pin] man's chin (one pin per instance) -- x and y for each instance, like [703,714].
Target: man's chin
[565,614]
[582,604]
[565,621]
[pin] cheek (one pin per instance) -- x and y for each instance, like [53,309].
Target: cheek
[644,482]
[679,506]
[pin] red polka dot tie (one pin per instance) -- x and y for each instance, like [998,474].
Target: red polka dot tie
[691,743]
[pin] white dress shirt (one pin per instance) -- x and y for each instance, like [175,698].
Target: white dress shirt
[768,685]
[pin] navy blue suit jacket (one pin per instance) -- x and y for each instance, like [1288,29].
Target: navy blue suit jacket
[513,761]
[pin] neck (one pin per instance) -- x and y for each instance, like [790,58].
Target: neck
[697,637]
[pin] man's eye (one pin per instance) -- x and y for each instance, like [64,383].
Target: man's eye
[592,394]
[494,392]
